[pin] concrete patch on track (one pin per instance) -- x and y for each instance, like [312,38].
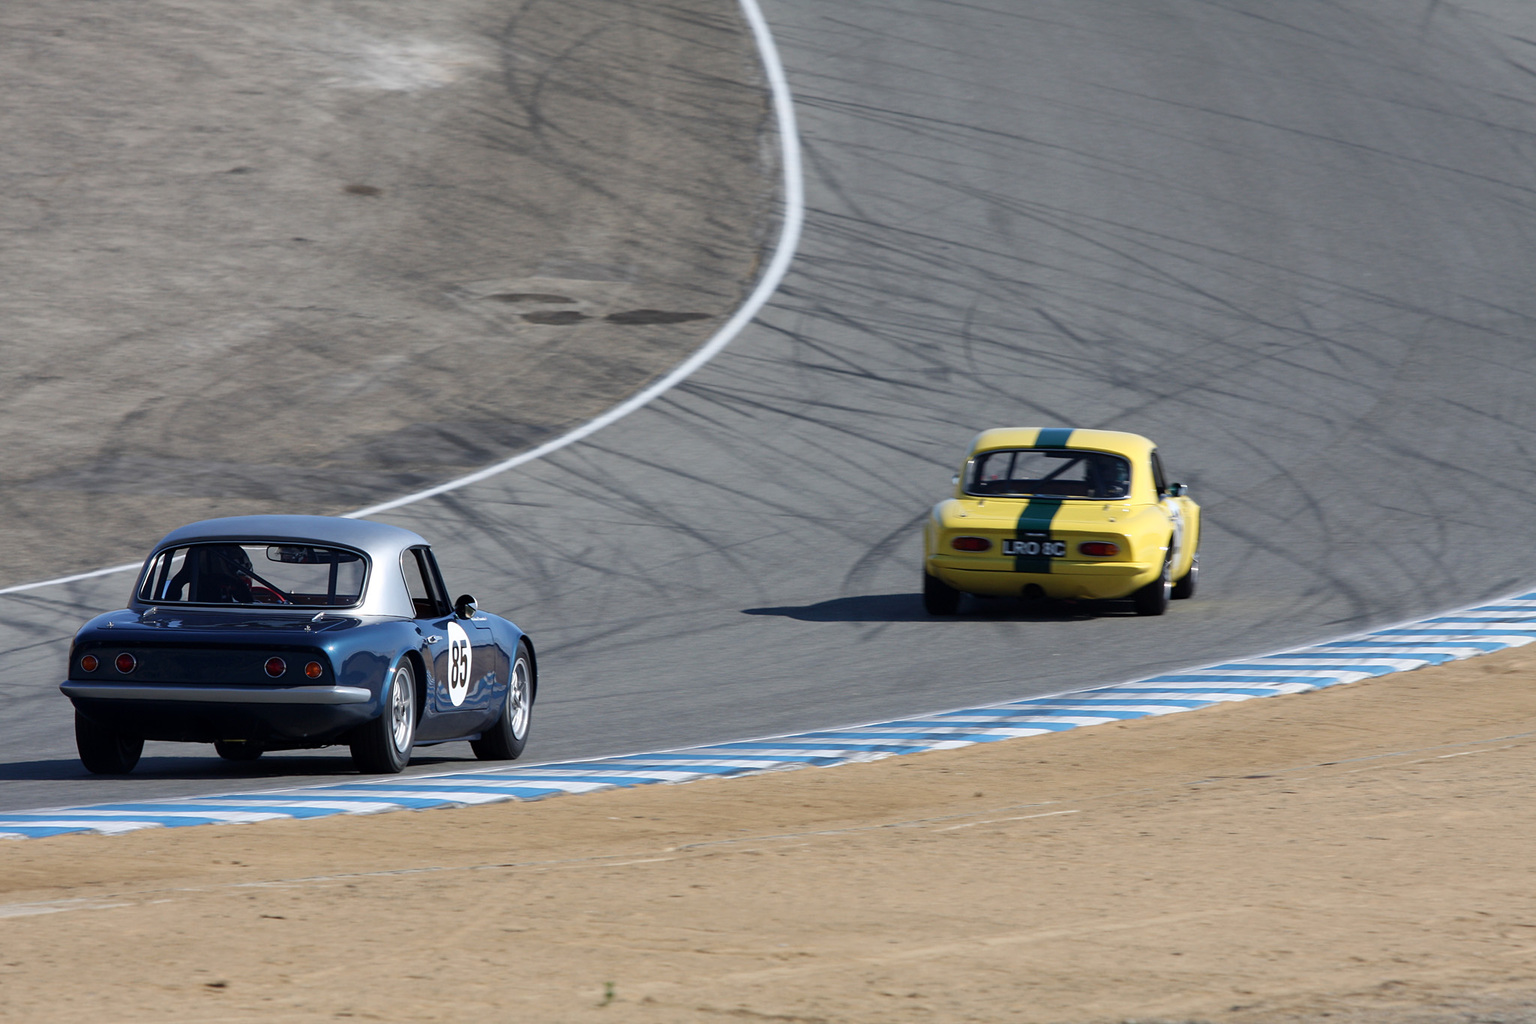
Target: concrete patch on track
[307,261]
[1442,638]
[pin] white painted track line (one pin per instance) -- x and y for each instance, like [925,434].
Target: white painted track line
[793,220]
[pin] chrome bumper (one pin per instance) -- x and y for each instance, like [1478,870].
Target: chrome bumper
[221,694]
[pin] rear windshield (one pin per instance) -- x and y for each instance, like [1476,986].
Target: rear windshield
[256,572]
[1049,472]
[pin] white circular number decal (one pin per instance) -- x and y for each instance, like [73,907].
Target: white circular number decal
[458,663]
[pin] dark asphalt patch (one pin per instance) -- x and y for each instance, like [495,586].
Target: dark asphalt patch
[510,297]
[653,316]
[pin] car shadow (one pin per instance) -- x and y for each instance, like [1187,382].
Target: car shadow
[909,608]
[273,766]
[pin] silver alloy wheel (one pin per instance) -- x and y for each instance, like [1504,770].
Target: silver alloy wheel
[402,718]
[519,704]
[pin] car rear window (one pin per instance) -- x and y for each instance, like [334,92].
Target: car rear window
[256,573]
[1049,472]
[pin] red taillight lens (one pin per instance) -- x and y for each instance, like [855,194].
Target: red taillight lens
[313,670]
[89,663]
[970,544]
[276,667]
[1098,547]
[126,663]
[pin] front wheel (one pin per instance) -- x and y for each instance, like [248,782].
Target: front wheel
[105,751]
[383,746]
[505,740]
[939,598]
[1152,599]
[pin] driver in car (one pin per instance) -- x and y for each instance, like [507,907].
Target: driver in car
[216,573]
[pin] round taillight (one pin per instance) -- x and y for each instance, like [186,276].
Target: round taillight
[1098,547]
[89,663]
[314,670]
[970,544]
[126,663]
[276,667]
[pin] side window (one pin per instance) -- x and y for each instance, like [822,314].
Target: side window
[435,579]
[168,566]
[418,583]
[1158,479]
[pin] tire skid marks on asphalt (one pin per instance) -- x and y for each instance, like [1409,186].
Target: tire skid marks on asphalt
[1450,636]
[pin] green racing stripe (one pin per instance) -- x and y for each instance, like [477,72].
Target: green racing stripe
[1038,512]
[1036,518]
[1053,437]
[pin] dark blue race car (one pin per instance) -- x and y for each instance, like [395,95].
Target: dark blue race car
[264,633]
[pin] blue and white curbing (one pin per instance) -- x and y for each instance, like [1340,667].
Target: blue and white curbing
[1449,637]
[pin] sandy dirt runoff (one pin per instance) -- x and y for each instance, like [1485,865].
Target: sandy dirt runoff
[306,255]
[1361,854]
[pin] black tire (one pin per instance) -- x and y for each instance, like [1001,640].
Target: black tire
[237,750]
[505,740]
[1184,587]
[1153,598]
[105,751]
[383,746]
[939,598]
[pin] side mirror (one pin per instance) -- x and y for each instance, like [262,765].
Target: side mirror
[1177,490]
[465,607]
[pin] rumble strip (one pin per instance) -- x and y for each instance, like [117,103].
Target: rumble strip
[1447,637]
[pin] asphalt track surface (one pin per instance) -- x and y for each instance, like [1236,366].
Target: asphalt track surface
[1291,243]
[304,255]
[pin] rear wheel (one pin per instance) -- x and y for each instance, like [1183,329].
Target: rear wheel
[505,740]
[939,598]
[1152,599]
[1185,587]
[105,751]
[383,746]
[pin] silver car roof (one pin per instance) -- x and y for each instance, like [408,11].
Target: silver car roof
[383,544]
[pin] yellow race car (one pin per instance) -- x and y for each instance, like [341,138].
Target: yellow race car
[1060,513]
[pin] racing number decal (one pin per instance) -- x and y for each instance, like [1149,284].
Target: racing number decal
[458,663]
[1176,541]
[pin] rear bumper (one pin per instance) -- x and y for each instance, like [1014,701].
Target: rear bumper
[274,717]
[1091,581]
[221,694]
